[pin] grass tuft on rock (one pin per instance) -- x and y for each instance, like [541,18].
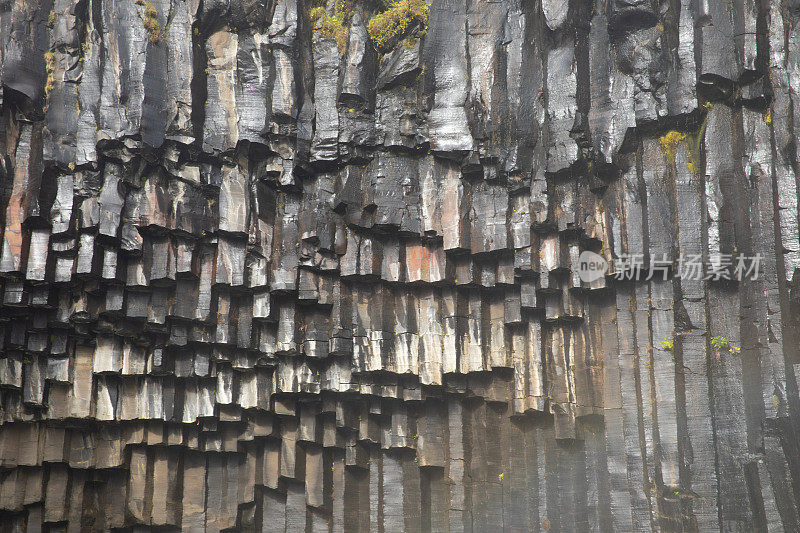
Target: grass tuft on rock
[402,19]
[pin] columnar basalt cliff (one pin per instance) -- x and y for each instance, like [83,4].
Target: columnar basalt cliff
[283,265]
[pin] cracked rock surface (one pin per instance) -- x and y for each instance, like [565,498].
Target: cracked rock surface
[253,278]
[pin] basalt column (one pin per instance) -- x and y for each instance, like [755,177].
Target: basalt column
[297,266]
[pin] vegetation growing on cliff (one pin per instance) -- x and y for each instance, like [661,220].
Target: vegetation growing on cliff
[399,21]
[333,26]
[403,18]
[692,140]
[724,344]
[155,33]
[50,67]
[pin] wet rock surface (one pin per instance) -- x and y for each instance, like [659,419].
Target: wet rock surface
[253,278]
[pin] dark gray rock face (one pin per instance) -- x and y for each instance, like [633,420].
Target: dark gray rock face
[256,278]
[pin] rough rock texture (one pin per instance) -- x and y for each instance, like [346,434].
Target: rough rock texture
[253,282]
